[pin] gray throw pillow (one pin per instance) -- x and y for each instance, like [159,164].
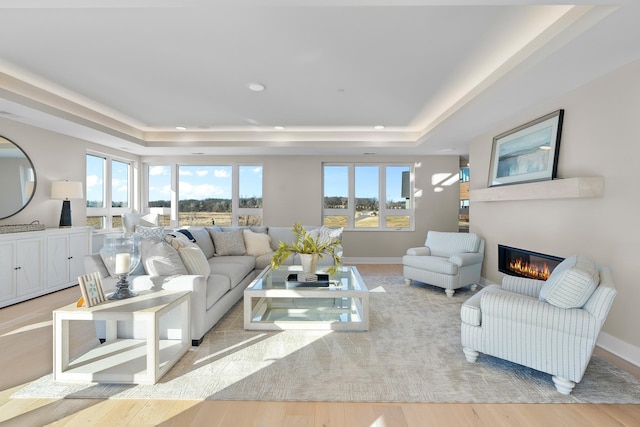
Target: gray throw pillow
[228,242]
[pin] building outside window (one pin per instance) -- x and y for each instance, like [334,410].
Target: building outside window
[352,195]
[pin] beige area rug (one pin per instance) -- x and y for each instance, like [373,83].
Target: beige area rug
[412,353]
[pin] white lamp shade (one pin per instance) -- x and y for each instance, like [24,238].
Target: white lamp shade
[66,190]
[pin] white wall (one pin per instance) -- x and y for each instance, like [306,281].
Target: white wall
[599,138]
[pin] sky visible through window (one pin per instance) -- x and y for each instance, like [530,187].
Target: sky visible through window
[203,182]
[367,181]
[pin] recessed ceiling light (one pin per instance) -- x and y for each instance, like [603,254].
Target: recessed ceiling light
[256,87]
[278,127]
[378,127]
[445,150]
[369,154]
[181,128]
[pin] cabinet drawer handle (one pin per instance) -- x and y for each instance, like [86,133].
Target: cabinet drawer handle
[70,257]
[17,268]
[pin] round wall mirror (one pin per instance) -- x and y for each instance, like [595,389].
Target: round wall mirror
[17,178]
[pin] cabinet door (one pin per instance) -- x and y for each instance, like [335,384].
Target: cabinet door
[7,271]
[57,260]
[29,275]
[78,248]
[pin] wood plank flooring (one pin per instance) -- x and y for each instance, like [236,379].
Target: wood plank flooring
[26,354]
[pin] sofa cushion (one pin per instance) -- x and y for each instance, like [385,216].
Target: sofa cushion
[256,244]
[264,261]
[571,283]
[280,234]
[228,242]
[447,244]
[203,240]
[160,258]
[431,263]
[130,220]
[235,268]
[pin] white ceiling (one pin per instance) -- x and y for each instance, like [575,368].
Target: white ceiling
[434,73]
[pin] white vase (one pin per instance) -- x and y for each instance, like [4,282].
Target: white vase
[309,262]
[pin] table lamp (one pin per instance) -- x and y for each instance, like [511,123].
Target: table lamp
[66,190]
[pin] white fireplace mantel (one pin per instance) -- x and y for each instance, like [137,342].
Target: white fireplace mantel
[566,188]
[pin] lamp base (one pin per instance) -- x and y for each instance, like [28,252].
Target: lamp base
[65,215]
[122,289]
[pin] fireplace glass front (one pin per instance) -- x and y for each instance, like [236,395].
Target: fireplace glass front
[524,263]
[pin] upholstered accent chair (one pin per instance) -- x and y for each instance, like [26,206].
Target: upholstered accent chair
[447,260]
[550,326]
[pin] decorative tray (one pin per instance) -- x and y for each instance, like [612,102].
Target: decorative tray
[313,281]
[19,228]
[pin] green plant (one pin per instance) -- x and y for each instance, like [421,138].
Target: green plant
[307,243]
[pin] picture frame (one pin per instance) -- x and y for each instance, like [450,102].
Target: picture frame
[91,288]
[527,153]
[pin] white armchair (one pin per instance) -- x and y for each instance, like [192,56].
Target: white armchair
[549,326]
[447,260]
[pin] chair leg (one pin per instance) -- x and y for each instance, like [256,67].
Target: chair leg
[563,385]
[474,287]
[471,355]
[449,292]
[407,282]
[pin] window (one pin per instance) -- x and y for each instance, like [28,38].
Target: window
[249,211]
[159,192]
[352,195]
[109,190]
[222,195]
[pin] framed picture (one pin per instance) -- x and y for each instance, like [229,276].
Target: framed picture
[528,152]
[91,288]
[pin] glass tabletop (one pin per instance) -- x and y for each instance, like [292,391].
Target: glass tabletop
[290,277]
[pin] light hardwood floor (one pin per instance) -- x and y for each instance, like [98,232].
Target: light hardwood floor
[26,354]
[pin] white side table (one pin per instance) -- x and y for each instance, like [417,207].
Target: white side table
[128,361]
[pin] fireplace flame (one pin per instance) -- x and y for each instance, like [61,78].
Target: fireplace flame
[530,270]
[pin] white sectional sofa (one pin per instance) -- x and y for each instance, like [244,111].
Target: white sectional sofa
[232,263]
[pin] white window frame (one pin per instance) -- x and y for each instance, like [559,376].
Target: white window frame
[107,211]
[236,211]
[383,211]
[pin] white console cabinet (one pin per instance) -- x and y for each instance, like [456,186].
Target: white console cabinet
[35,263]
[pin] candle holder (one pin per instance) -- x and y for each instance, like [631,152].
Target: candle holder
[121,255]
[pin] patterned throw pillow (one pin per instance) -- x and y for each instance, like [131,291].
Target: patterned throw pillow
[256,244]
[149,232]
[228,242]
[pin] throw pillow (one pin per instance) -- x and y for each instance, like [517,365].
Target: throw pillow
[329,235]
[194,260]
[228,242]
[191,255]
[160,258]
[130,220]
[149,232]
[256,244]
[571,283]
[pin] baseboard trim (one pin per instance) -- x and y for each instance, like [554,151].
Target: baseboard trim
[617,347]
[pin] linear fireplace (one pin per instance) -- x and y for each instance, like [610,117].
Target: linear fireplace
[523,263]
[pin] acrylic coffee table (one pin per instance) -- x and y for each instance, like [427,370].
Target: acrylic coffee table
[269,304]
[124,360]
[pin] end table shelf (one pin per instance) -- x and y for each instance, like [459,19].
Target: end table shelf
[124,360]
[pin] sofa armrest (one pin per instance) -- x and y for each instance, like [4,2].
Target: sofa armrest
[470,258]
[522,285]
[520,309]
[421,251]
